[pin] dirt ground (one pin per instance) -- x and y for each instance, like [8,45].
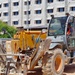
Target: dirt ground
[69,70]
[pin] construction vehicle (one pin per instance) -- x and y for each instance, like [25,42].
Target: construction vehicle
[23,40]
[55,50]
[27,39]
[62,47]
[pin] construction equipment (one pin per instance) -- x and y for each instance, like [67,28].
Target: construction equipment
[27,39]
[55,49]
[62,47]
[24,44]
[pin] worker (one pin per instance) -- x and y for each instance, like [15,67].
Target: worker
[69,29]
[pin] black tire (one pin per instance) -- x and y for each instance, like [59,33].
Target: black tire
[49,68]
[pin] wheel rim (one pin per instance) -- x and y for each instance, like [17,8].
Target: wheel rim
[58,63]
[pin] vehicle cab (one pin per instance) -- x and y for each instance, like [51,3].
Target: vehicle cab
[58,29]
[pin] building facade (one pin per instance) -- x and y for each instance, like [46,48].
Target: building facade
[33,12]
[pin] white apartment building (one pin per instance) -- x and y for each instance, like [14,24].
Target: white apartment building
[33,12]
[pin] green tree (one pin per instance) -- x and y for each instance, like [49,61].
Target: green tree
[9,30]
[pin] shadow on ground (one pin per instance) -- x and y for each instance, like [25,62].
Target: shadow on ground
[69,69]
[37,71]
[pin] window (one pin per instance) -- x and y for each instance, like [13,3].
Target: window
[56,27]
[38,1]
[5,13]
[60,9]
[16,13]
[28,12]
[26,22]
[15,22]
[25,3]
[0,14]
[49,1]
[38,21]
[72,8]
[38,11]
[48,20]
[49,10]
[6,5]
[25,12]
[60,0]
[0,5]
[16,3]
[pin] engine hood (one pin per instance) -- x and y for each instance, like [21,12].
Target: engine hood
[52,45]
[55,41]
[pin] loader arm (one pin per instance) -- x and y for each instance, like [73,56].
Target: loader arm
[44,46]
